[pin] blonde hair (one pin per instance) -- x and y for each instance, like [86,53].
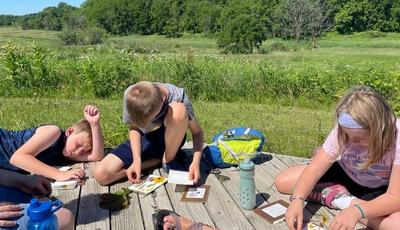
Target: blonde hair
[370,110]
[142,101]
[82,126]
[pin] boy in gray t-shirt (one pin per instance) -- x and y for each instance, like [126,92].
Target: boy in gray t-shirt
[159,116]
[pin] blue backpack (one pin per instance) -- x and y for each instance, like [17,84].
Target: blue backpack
[233,145]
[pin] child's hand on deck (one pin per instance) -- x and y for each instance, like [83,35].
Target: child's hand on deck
[71,174]
[294,215]
[92,114]
[35,184]
[8,211]
[134,172]
[346,219]
[194,172]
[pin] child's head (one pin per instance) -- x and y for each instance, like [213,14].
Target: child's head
[366,119]
[79,139]
[143,102]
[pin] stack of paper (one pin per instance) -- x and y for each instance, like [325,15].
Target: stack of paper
[179,177]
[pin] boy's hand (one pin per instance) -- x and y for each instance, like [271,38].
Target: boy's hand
[71,174]
[194,172]
[134,172]
[92,114]
[9,211]
[34,184]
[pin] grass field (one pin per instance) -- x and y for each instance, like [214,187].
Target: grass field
[293,126]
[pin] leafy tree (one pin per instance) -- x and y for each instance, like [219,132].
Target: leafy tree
[159,14]
[243,26]
[319,20]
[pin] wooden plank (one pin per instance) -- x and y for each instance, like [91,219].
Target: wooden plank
[223,209]
[148,203]
[232,186]
[90,215]
[70,198]
[131,217]
[193,211]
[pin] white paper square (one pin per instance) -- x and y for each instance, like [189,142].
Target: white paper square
[179,177]
[197,193]
[275,210]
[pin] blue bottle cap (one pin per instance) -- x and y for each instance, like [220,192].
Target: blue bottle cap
[246,165]
[39,210]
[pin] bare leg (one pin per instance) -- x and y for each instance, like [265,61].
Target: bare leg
[176,124]
[111,169]
[286,180]
[65,219]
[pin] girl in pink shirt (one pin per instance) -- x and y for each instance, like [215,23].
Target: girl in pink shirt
[357,169]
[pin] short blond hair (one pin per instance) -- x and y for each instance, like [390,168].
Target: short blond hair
[371,111]
[82,126]
[142,100]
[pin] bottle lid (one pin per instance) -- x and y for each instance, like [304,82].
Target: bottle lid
[39,210]
[246,165]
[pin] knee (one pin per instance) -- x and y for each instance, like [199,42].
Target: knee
[101,174]
[65,219]
[391,222]
[280,182]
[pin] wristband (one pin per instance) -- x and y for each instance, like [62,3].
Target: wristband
[361,210]
[294,197]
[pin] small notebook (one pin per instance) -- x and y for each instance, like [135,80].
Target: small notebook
[151,183]
[273,212]
[179,177]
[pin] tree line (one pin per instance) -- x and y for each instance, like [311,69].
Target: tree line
[239,25]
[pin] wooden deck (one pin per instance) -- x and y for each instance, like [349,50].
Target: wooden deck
[222,209]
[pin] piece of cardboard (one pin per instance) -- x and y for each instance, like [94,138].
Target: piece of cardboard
[196,194]
[273,212]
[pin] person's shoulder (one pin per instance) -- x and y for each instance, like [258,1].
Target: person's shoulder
[49,130]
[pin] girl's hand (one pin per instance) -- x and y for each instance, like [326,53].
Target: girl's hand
[92,114]
[9,211]
[346,219]
[294,215]
[71,174]
[134,172]
[34,184]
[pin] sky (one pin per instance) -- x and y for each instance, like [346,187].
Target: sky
[21,7]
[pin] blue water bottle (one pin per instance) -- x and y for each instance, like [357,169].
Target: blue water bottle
[41,215]
[247,185]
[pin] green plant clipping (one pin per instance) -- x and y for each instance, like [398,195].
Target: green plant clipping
[115,201]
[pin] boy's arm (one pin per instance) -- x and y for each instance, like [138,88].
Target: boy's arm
[198,140]
[92,115]
[134,171]
[25,157]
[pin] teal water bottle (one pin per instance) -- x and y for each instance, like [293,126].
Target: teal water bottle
[41,215]
[247,185]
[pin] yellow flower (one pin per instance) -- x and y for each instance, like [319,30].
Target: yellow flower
[158,179]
